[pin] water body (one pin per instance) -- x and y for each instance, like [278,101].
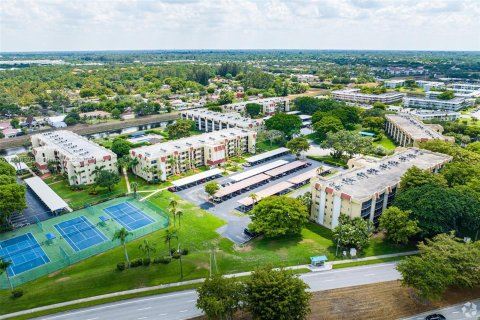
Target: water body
[105,134]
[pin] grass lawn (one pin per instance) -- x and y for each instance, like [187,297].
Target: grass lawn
[144,185]
[81,197]
[386,142]
[329,160]
[263,146]
[198,235]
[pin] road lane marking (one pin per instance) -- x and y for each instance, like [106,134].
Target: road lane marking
[183,310]
[92,318]
[163,314]
[142,318]
[144,308]
[192,300]
[370,275]
[120,304]
[329,280]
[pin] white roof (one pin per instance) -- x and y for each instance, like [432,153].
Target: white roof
[46,194]
[303,177]
[196,177]
[241,185]
[267,192]
[232,118]
[267,154]
[253,172]
[285,168]
[18,166]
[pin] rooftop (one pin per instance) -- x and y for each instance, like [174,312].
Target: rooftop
[74,144]
[356,91]
[378,174]
[226,117]
[167,147]
[414,127]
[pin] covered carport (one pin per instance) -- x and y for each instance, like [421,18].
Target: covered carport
[287,169]
[302,179]
[266,156]
[256,171]
[52,200]
[247,203]
[201,177]
[240,187]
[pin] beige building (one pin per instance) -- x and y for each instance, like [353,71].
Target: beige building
[270,105]
[160,160]
[368,187]
[208,121]
[408,131]
[73,154]
[355,95]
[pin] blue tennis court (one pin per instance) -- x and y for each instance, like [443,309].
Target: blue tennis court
[24,252]
[128,216]
[80,233]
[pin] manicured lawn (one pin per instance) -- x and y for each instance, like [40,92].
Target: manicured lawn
[144,185]
[386,142]
[98,275]
[263,146]
[329,160]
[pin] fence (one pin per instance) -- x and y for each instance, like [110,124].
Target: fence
[61,254]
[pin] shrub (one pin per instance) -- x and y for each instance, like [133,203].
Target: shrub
[146,261]
[184,252]
[176,255]
[136,263]
[17,293]
[161,260]
[121,266]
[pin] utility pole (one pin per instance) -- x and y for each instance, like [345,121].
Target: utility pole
[181,266]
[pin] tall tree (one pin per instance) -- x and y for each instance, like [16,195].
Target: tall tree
[122,234]
[276,295]
[326,125]
[298,145]
[180,129]
[354,232]
[4,265]
[346,143]
[107,179]
[398,225]
[253,109]
[147,248]
[211,188]
[169,236]
[416,177]
[289,124]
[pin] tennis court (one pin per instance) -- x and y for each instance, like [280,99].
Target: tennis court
[24,252]
[128,216]
[80,233]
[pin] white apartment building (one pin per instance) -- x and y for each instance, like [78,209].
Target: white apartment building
[158,161]
[368,187]
[270,105]
[408,131]
[208,121]
[427,85]
[354,95]
[465,86]
[436,104]
[440,115]
[392,84]
[73,154]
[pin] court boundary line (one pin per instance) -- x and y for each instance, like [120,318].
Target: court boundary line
[90,226]
[128,214]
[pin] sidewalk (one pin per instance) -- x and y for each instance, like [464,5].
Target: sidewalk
[178,284]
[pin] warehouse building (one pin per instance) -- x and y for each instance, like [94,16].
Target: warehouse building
[156,162]
[71,154]
[368,187]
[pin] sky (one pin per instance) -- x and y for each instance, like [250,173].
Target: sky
[83,25]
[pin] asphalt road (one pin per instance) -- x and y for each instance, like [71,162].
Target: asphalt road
[461,311]
[181,305]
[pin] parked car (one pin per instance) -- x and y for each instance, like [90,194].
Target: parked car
[249,233]
[435,316]
[172,189]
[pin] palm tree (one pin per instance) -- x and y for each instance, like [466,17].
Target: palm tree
[97,169]
[134,186]
[122,235]
[173,211]
[173,203]
[169,236]
[4,264]
[179,214]
[172,162]
[147,248]
[254,198]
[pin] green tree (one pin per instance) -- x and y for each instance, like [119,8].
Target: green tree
[347,143]
[253,109]
[278,216]
[374,123]
[219,297]
[12,199]
[354,232]
[443,262]
[416,177]
[298,145]
[4,265]
[446,95]
[116,113]
[121,147]
[327,124]
[306,199]
[211,188]
[289,124]
[215,108]
[169,236]
[6,168]
[276,295]
[134,186]
[398,225]
[180,129]
[147,248]
[225,98]
[107,179]
[122,234]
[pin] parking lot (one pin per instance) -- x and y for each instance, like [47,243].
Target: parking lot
[226,210]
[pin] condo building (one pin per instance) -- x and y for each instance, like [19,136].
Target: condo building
[158,161]
[354,95]
[368,187]
[440,115]
[208,121]
[408,131]
[436,104]
[466,86]
[270,106]
[427,85]
[71,154]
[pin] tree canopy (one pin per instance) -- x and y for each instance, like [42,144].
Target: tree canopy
[352,233]
[121,147]
[398,225]
[289,124]
[278,216]
[253,109]
[298,145]
[107,179]
[346,143]
[180,129]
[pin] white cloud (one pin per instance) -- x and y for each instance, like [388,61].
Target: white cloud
[164,24]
